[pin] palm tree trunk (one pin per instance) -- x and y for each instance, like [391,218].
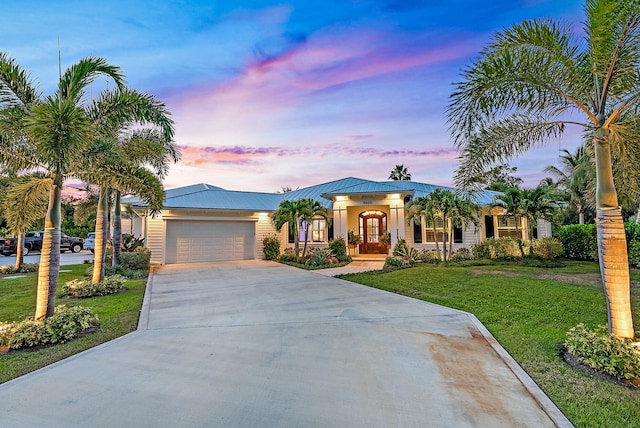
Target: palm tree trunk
[444,239]
[638,215]
[306,239]
[117,229]
[19,252]
[450,239]
[50,254]
[100,238]
[612,245]
[435,238]
[581,213]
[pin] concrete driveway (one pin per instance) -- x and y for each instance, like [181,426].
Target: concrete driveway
[259,344]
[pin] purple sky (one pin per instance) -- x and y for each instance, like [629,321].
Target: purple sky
[268,94]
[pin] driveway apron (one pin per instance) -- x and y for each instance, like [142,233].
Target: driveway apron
[259,344]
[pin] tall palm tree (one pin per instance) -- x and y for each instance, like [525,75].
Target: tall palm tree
[522,91]
[49,134]
[111,169]
[400,173]
[151,148]
[575,177]
[113,114]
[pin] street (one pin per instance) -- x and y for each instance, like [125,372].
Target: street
[67,258]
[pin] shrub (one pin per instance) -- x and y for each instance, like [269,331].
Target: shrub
[400,247]
[288,255]
[319,257]
[30,267]
[8,269]
[634,253]
[428,257]
[84,287]
[482,250]
[339,249]
[579,241]
[602,351]
[500,248]
[547,248]
[395,262]
[128,273]
[271,247]
[408,254]
[461,254]
[65,324]
[137,259]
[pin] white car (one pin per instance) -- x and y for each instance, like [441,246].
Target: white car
[90,241]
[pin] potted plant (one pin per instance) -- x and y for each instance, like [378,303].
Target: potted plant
[353,240]
[385,239]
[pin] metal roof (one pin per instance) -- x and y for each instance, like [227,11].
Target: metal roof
[205,196]
[368,188]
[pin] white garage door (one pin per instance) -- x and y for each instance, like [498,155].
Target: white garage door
[209,241]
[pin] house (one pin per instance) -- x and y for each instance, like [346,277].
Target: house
[202,223]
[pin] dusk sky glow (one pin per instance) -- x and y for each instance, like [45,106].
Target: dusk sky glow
[268,94]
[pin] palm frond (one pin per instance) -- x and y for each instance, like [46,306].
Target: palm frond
[26,201]
[79,76]
[113,110]
[16,86]
[498,142]
[60,132]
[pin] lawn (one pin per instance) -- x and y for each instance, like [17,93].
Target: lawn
[118,315]
[528,310]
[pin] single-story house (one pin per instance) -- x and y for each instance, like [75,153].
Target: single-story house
[202,223]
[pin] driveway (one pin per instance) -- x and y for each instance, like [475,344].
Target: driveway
[259,344]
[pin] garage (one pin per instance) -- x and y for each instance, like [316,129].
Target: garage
[209,241]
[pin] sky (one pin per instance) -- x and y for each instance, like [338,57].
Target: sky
[268,94]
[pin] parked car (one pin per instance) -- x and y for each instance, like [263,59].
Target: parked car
[33,242]
[90,241]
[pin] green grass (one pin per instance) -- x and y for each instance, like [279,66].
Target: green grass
[529,310]
[118,315]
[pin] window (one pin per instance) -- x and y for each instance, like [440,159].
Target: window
[507,226]
[302,230]
[318,227]
[439,231]
[457,235]
[417,233]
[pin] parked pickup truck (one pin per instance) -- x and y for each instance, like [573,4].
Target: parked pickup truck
[33,242]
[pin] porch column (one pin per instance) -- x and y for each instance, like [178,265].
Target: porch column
[340,221]
[396,222]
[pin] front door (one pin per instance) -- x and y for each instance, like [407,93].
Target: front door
[373,224]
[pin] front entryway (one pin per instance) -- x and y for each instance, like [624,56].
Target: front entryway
[373,224]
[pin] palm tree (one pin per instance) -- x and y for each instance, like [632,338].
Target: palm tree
[400,173]
[290,212]
[575,177]
[463,213]
[311,210]
[419,209]
[24,203]
[110,169]
[521,92]
[114,113]
[50,135]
